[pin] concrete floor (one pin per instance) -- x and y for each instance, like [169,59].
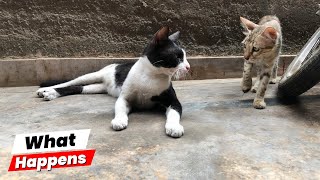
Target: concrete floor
[225,137]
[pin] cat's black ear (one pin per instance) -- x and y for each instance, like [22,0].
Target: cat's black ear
[175,36]
[161,35]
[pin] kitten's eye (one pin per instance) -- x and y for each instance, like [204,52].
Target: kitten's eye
[255,49]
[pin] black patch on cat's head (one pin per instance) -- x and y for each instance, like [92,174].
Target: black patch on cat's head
[163,50]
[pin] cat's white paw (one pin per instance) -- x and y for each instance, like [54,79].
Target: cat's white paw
[42,90]
[174,130]
[50,94]
[119,124]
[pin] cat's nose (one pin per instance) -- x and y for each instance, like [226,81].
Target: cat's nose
[188,67]
[246,55]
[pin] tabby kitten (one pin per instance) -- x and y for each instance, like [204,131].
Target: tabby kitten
[262,47]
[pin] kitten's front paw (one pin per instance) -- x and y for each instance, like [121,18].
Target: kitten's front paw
[50,95]
[119,124]
[246,89]
[174,130]
[259,104]
[273,81]
[246,85]
[254,89]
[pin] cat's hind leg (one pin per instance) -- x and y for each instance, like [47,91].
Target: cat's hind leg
[91,78]
[94,89]
[274,75]
[54,93]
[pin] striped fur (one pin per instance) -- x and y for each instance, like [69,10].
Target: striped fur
[262,46]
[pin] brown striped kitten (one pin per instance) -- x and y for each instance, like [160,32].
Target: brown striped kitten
[262,47]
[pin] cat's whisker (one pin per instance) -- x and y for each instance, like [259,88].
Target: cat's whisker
[181,74]
[177,74]
[188,76]
[157,62]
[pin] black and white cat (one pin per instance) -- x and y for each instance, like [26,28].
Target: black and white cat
[142,84]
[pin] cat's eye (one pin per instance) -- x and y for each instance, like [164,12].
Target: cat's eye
[255,49]
[179,56]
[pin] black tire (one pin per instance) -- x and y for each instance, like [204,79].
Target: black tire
[305,78]
[304,71]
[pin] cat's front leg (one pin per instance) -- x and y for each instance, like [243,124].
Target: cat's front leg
[122,109]
[258,102]
[257,83]
[169,99]
[246,83]
[173,126]
[174,112]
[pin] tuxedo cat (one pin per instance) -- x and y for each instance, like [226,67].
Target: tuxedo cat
[143,84]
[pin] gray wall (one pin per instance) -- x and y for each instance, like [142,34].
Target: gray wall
[76,28]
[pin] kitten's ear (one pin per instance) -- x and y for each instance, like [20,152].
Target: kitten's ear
[161,35]
[175,36]
[270,33]
[247,25]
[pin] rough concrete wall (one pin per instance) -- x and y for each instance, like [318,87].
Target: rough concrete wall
[75,28]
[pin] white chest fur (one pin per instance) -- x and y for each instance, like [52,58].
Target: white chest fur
[143,82]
